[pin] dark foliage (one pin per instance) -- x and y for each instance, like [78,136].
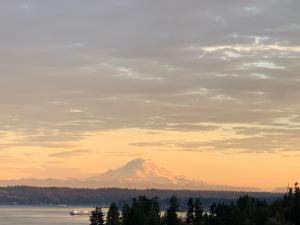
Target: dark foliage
[198,217]
[251,211]
[113,215]
[246,210]
[171,217]
[190,212]
[97,217]
[143,211]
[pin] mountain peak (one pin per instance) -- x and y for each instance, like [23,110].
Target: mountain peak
[139,164]
[138,170]
[139,161]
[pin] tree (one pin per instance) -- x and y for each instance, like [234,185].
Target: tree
[297,203]
[143,211]
[212,218]
[97,217]
[154,213]
[213,209]
[125,214]
[198,218]
[190,211]
[113,215]
[171,216]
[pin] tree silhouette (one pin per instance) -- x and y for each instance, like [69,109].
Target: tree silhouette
[190,211]
[171,217]
[143,211]
[245,210]
[97,217]
[297,204]
[198,218]
[113,215]
[125,214]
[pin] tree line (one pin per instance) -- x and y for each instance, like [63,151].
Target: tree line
[24,195]
[246,210]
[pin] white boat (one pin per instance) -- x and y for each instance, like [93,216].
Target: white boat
[79,213]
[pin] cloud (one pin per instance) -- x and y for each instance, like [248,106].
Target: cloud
[25,6]
[37,144]
[256,144]
[67,154]
[263,64]
[74,45]
[76,111]
[54,171]
[253,10]
[45,138]
[125,154]
[267,138]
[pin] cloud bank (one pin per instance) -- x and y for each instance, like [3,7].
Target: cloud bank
[68,68]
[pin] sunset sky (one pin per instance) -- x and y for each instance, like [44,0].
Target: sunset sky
[208,89]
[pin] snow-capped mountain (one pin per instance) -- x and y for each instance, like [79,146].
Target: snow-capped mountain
[138,173]
[143,173]
[138,170]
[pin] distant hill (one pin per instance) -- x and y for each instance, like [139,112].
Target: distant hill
[280,189]
[79,196]
[138,173]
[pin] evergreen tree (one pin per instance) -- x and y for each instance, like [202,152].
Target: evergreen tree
[213,209]
[212,218]
[198,218]
[297,204]
[113,215]
[143,211]
[154,213]
[171,216]
[97,217]
[125,214]
[190,211]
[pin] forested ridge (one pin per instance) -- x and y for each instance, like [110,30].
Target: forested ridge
[82,196]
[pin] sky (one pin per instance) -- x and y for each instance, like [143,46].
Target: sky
[209,89]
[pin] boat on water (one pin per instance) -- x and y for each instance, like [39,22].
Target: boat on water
[79,213]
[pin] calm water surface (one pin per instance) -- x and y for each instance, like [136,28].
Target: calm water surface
[41,215]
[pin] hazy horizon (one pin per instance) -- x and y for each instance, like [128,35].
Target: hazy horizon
[208,89]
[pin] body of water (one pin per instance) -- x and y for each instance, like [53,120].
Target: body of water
[41,215]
